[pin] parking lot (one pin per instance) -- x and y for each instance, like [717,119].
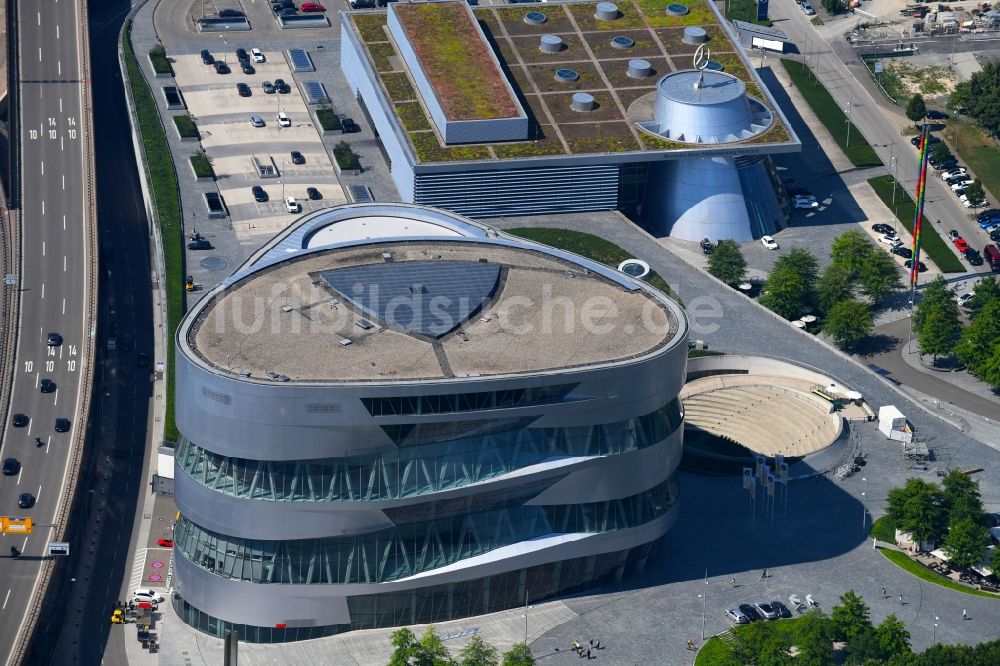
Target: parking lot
[236,148]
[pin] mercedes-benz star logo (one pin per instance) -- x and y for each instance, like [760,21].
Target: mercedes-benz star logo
[702,57]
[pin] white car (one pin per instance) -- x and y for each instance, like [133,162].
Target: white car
[960,184]
[804,201]
[292,206]
[284,120]
[147,594]
[257,55]
[968,204]
[769,242]
[891,241]
[964,299]
[959,171]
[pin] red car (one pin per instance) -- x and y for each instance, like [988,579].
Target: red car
[165,543]
[961,245]
[312,7]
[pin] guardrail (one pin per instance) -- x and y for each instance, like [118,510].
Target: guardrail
[87,346]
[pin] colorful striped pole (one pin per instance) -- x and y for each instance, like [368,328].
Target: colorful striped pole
[918,217]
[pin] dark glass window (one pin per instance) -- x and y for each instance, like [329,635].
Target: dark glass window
[466,402]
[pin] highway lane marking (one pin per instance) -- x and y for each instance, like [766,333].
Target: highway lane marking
[64,223]
[43,248]
[64,270]
[64,181]
[57,32]
[61,146]
[60,105]
[43,168]
[39,18]
[59,67]
[39,54]
[57,398]
[43,284]
[5,600]
[19,475]
[64,300]
[48,441]
[37,375]
[37,495]
[43,207]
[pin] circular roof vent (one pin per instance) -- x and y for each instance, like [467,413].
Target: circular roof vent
[535,18]
[639,69]
[714,65]
[566,76]
[695,35]
[550,44]
[582,102]
[636,268]
[677,9]
[606,11]
[622,42]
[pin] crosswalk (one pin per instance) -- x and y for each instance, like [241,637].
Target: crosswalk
[138,567]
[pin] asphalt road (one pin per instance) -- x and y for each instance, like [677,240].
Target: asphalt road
[55,255]
[851,89]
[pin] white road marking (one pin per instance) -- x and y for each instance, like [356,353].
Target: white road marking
[64,223]
[5,600]
[64,301]
[59,67]
[43,284]
[39,18]
[43,248]
[37,495]
[56,402]
[43,207]
[37,375]
[19,475]
[60,99]
[43,168]
[48,440]
[64,270]
[61,146]
[64,181]
[57,32]
[39,54]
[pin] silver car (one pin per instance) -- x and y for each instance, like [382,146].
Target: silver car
[737,616]
[256,121]
[766,610]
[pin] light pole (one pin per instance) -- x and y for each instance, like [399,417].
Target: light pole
[864,505]
[936,618]
[848,111]
[704,609]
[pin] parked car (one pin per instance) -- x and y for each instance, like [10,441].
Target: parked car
[297,157]
[200,244]
[62,425]
[349,126]
[959,183]
[737,616]
[946,165]
[267,87]
[769,242]
[230,13]
[891,241]
[988,214]
[900,251]
[973,257]
[781,609]
[11,466]
[221,67]
[808,9]
[165,543]
[765,610]
[952,173]
[706,246]
[750,612]
[953,235]
[241,55]
[986,222]
[313,194]
[967,202]
[886,229]
[995,236]
[920,268]
[312,7]
[258,57]
[964,299]
[247,68]
[288,11]
[292,206]
[960,244]
[206,57]
[934,114]
[243,90]
[259,194]
[804,201]
[147,594]
[47,386]
[256,121]
[283,119]
[362,4]
[282,87]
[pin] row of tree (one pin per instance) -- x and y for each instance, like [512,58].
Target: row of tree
[950,514]
[979,97]
[430,650]
[938,325]
[859,277]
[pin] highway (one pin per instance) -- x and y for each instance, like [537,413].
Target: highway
[852,90]
[55,284]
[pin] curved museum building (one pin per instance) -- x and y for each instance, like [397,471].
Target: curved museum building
[393,415]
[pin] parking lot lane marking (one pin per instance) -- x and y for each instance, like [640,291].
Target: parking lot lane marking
[5,600]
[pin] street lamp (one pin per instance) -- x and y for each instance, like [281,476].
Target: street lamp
[936,618]
[704,608]
[864,506]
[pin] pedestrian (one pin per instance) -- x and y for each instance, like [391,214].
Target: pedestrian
[732,581]
[588,654]
[965,616]
[591,642]
[883,593]
[900,598]
[763,574]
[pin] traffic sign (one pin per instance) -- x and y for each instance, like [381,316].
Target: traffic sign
[58,548]
[15,525]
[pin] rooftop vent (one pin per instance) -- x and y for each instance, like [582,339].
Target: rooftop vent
[286,308]
[695,35]
[363,324]
[535,18]
[606,11]
[677,9]
[582,102]
[639,69]
[387,257]
[566,76]
[345,341]
[550,44]
[622,42]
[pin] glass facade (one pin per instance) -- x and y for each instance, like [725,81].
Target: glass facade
[410,548]
[437,603]
[421,468]
[466,402]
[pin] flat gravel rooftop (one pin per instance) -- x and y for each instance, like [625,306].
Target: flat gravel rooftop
[544,313]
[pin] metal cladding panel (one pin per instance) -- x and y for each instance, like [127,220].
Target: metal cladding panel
[260,605]
[357,70]
[521,191]
[695,199]
[485,131]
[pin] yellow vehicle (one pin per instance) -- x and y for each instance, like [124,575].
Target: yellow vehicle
[118,616]
[189,283]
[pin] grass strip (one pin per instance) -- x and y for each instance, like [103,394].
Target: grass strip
[328,119]
[904,209]
[859,152]
[744,10]
[346,158]
[979,152]
[884,529]
[186,127]
[163,183]
[589,246]
[158,56]
[903,561]
[202,167]
[714,652]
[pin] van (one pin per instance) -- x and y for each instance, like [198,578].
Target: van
[992,255]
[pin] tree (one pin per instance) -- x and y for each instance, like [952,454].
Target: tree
[864,649]
[727,264]
[405,644]
[965,543]
[759,644]
[919,508]
[791,287]
[518,655]
[834,285]
[987,289]
[428,651]
[850,617]
[849,251]
[916,109]
[959,97]
[940,152]
[848,322]
[879,276]
[814,641]
[989,369]
[940,330]
[995,563]
[977,348]
[961,497]
[893,637]
[975,193]
[936,291]
[477,652]
[983,96]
